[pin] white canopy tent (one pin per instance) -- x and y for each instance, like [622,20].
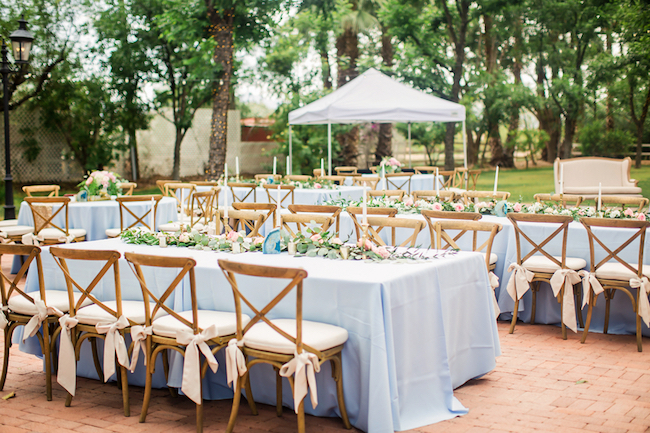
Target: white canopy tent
[375,97]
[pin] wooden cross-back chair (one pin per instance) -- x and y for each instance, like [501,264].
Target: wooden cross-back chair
[638,204]
[161,184]
[472,177]
[137,207]
[473,196]
[248,189]
[377,224]
[345,170]
[356,213]
[167,325]
[127,187]
[613,272]
[45,230]
[50,190]
[337,180]
[277,341]
[395,194]
[302,221]
[298,177]
[369,181]
[91,313]
[459,178]
[212,183]
[332,211]
[19,307]
[444,232]
[449,176]
[268,209]
[248,220]
[203,206]
[265,177]
[540,261]
[182,192]
[397,181]
[425,169]
[442,214]
[429,195]
[286,192]
[563,200]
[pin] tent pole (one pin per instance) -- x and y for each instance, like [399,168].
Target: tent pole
[329,149]
[290,153]
[465,157]
[409,126]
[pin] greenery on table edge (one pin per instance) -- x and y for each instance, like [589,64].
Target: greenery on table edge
[299,184]
[489,207]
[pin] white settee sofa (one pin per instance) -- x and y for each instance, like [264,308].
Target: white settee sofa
[582,176]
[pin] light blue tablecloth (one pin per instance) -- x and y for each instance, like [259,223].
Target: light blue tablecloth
[418,182]
[416,331]
[308,196]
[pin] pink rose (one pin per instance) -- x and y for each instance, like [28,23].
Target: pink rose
[336,241]
[628,212]
[381,251]
[318,186]
[436,206]
[258,240]
[184,238]
[367,246]
[105,183]
[481,204]
[640,216]
[89,181]
[232,236]
[408,202]
[459,207]
[517,207]
[394,162]
[316,238]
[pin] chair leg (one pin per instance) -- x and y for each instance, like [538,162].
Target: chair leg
[585,331]
[199,418]
[98,366]
[514,317]
[165,357]
[125,390]
[301,416]
[249,395]
[337,374]
[235,403]
[48,361]
[147,386]
[278,392]
[607,300]
[5,360]
[534,287]
[640,292]
[577,290]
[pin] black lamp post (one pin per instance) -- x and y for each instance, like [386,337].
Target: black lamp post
[21,45]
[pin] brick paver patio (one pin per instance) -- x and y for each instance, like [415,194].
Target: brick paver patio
[540,383]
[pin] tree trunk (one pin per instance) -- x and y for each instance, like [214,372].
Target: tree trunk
[176,169]
[325,69]
[449,148]
[639,122]
[472,146]
[222,30]
[570,123]
[133,144]
[609,117]
[347,50]
[385,140]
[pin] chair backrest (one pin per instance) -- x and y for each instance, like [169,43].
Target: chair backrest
[286,191]
[318,172]
[400,181]
[232,269]
[473,178]
[182,192]
[424,169]
[444,239]
[110,259]
[298,177]
[146,218]
[377,224]
[212,183]
[396,194]
[338,180]
[430,194]
[43,212]
[451,215]
[269,208]
[526,232]
[248,220]
[301,222]
[161,184]
[562,199]
[202,207]
[369,181]
[127,187]
[332,211]
[345,169]
[357,211]
[459,177]
[153,304]
[449,174]
[248,189]
[632,229]
[11,286]
[473,196]
[639,203]
[51,190]
[276,177]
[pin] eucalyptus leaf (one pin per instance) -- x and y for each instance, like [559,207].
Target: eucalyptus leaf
[311,253]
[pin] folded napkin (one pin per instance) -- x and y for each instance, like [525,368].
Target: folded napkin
[302,367]
[114,345]
[566,278]
[138,335]
[589,282]
[519,282]
[34,323]
[235,362]
[191,385]
[67,375]
[644,305]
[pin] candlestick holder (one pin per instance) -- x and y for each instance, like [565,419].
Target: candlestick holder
[364,235]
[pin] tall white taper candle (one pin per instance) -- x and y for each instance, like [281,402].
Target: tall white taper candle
[322,167]
[151,216]
[225,193]
[277,215]
[562,179]
[237,167]
[599,196]
[496,180]
[435,181]
[288,166]
[275,165]
[365,207]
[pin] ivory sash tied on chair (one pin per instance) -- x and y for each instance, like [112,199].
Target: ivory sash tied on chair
[3,317]
[31,239]
[566,277]
[191,385]
[589,282]
[66,239]
[4,239]
[302,367]
[67,376]
[34,323]
[235,362]
[114,345]
[138,335]
[494,283]
[519,282]
[644,304]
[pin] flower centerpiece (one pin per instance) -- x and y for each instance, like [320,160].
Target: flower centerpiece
[390,164]
[101,185]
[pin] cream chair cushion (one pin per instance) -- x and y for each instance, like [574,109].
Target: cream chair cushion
[54,298]
[226,322]
[113,233]
[616,271]
[8,223]
[16,230]
[52,233]
[493,257]
[543,264]
[320,336]
[94,314]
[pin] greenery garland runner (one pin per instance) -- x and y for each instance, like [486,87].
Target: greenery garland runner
[299,184]
[490,207]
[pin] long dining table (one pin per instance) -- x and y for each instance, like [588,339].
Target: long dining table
[417,330]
